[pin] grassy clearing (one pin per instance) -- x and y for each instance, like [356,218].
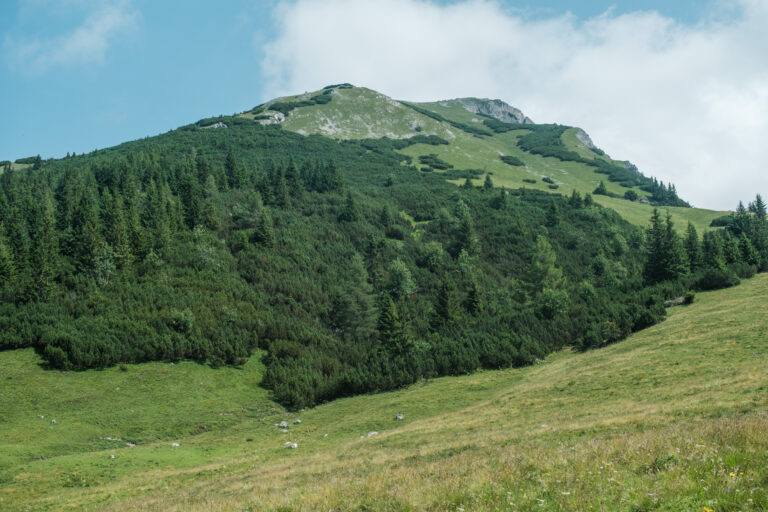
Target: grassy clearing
[673,418]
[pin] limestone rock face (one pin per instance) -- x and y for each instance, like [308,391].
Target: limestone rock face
[496,109]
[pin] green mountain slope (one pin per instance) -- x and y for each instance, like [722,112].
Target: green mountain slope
[359,113]
[675,418]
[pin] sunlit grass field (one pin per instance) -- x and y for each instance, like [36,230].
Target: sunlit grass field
[673,418]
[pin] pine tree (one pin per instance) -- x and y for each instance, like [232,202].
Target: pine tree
[86,237]
[692,248]
[665,256]
[385,217]
[488,183]
[7,266]
[464,233]
[601,190]
[349,212]
[501,202]
[44,254]
[400,284]
[675,261]
[731,250]
[543,272]
[232,170]
[575,199]
[473,303]
[748,252]
[758,208]
[293,182]
[712,251]
[264,234]
[191,200]
[392,332]
[446,304]
[553,214]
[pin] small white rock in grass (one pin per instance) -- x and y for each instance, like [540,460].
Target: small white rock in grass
[374,433]
[53,421]
[284,430]
[325,435]
[41,417]
[297,421]
[283,424]
[399,416]
[291,445]
[112,456]
[175,445]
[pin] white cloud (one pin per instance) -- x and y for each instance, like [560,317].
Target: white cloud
[86,44]
[685,102]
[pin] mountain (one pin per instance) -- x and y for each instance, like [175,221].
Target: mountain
[167,303]
[563,155]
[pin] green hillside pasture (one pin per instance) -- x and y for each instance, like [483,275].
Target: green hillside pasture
[468,152]
[675,418]
[639,214]
[101,411]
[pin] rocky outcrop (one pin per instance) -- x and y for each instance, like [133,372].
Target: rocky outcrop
[584,138]
[496,109]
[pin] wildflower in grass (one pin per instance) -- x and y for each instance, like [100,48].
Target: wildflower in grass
[732,474]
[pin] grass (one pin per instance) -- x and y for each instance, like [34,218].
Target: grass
[673,418]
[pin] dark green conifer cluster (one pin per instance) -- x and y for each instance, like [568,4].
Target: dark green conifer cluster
[348,269]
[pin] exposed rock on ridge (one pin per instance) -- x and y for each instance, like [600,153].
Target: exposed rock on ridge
[496,109]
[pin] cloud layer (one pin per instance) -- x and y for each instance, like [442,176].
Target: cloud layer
[86,44]
[686,103]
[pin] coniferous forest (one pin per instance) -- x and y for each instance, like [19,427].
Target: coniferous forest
[351,269]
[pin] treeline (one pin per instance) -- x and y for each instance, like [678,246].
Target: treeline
[472,130]
[351,271]
[546,140]
[716,260]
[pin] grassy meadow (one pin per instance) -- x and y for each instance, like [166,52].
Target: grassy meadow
[674,418]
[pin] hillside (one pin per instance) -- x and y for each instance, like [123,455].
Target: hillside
[360,113]
[674,418]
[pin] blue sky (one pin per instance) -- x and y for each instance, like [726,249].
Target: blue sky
[77,75]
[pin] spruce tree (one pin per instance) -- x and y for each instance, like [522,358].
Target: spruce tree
[264,234]
[392,332]
[692,248]
[665,257]
[553,214]
[601,190]
[575,199]
[349,212]
[712,251]
[446,304]
[44,254]
[748,252]
[488,183]
[293,182]
[232,170]
[7,266]
[86,236]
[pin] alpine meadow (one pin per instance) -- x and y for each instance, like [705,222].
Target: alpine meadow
[342,301]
